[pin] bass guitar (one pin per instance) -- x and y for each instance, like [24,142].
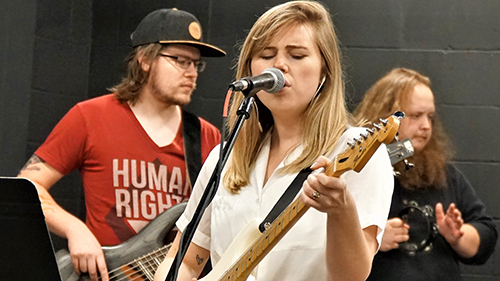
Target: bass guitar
[135,259]
[251,246]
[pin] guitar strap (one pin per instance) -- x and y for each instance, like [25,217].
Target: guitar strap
[286,198]
[191,131]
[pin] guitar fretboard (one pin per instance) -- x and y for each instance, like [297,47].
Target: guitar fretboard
[258,250]
[142,267]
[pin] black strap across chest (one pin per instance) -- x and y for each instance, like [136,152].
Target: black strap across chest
[191,131]
[286,198]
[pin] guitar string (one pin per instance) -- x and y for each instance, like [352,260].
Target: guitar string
[153,263]
[238,268]
[130,271]
[133,269]
[243,264]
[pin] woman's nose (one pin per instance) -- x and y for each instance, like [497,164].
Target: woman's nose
[281,64]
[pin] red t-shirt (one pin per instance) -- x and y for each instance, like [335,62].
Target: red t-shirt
[127,179]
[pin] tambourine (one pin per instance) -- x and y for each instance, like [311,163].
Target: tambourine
[423,228]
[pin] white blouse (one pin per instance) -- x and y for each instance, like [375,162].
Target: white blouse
[300,255]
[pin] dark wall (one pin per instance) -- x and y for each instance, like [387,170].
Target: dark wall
[56,53]
[17,25]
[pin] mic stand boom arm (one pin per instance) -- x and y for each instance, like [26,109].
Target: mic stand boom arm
[243,113]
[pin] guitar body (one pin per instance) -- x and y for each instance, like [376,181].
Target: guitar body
[149,239]
[245,238]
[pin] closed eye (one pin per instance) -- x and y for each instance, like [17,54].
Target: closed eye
[266,57]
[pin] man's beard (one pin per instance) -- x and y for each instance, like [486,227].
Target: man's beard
[169,98]
[429,169]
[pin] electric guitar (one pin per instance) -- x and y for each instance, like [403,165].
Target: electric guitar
[251,246]
[135,259]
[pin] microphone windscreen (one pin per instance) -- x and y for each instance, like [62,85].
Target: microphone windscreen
[279,79]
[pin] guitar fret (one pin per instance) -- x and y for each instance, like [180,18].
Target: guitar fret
[264,241]
[157,261]
[232,275]
[148,263]
[145,271]
[237,269]
[249,259]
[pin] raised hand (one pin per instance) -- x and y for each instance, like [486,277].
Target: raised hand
[450,223]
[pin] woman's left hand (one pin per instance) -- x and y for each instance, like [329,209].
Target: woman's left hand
[324,193]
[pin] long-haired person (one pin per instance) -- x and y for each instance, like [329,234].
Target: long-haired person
[288,131]
[433,187]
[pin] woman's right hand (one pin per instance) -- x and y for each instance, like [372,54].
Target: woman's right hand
[396,231]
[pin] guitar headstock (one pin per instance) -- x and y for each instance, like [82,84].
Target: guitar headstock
[362,148]
[400,150]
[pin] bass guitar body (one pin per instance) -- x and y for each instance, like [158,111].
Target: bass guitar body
[135,259]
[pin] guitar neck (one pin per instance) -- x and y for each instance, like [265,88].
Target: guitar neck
[148,264]
[269,238]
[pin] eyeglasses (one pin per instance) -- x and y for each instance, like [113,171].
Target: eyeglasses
[185,62]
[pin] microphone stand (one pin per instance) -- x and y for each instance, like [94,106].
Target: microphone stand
[243,113]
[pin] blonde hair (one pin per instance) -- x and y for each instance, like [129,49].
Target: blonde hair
[392,92]
[131,86]
[325,119]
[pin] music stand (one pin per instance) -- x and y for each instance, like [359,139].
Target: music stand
[26,248]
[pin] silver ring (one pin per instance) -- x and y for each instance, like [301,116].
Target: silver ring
[316,195]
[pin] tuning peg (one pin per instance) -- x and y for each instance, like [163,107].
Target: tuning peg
[396,137]
[396,173]
[358,140]
[408,164]
[377,126]
[370,131]
[384,121]
[364,135]
[351,144]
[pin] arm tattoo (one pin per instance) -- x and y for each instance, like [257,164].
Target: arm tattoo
[33,160]
[199,260]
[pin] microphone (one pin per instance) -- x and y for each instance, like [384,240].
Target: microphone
[271,80]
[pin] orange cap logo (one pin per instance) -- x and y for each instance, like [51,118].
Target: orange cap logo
[195,30]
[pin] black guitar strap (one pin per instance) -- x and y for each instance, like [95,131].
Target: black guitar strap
[286,198]
[191,131]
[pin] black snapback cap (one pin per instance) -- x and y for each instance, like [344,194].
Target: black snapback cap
[168,26]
